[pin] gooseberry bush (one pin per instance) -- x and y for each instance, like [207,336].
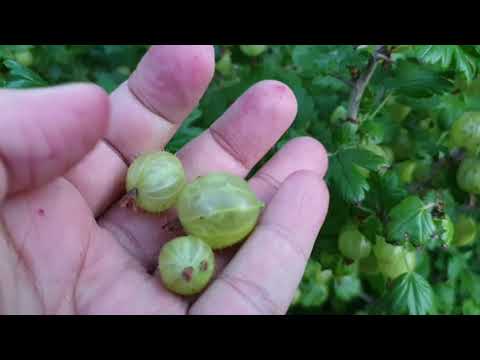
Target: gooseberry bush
[401,124]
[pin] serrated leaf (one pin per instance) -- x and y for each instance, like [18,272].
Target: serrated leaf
[381,129]
[447,56]
[417,81]
[365,158]
[386,191]
[411,220]
[434,54]
[327,59]
[412,293]
[345,175]
[314,58]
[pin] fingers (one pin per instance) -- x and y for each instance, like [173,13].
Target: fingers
[266,271]
[303,153]
[44,132]
[244,134]
[146,112]
[166,87]
[238,140]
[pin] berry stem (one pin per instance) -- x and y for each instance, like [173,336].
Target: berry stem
[129,199]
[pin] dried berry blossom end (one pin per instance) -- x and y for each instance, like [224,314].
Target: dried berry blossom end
[204,265]
[187,273]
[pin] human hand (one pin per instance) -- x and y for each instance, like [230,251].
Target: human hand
[67,247]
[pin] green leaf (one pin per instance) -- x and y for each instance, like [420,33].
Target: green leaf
[314,296]
[337,215]
[365,158]
[346,134]
[313,58]
[330,83]
[470,285]
[314,287]
[446,56]
[306,109]
[345,175]
[107,81]
[322,132]
[411,293]
[186,133]
[371,227]
[347,287]
[445,297]
[415,80]
[423,266]
[458,264]
[213,104]
[434,54]
[327,59]
[22,76]
[411,220]
[386,191]
[470,307]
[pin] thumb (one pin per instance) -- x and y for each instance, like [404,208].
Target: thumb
[44,132]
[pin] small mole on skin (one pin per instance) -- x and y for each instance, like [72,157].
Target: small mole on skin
[41,212]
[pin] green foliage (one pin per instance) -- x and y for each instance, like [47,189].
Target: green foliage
[346,175]
[392,170]
[411,294]
[411,221]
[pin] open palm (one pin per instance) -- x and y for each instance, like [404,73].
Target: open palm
[67,247]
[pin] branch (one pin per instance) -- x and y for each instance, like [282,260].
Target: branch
[362,82]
